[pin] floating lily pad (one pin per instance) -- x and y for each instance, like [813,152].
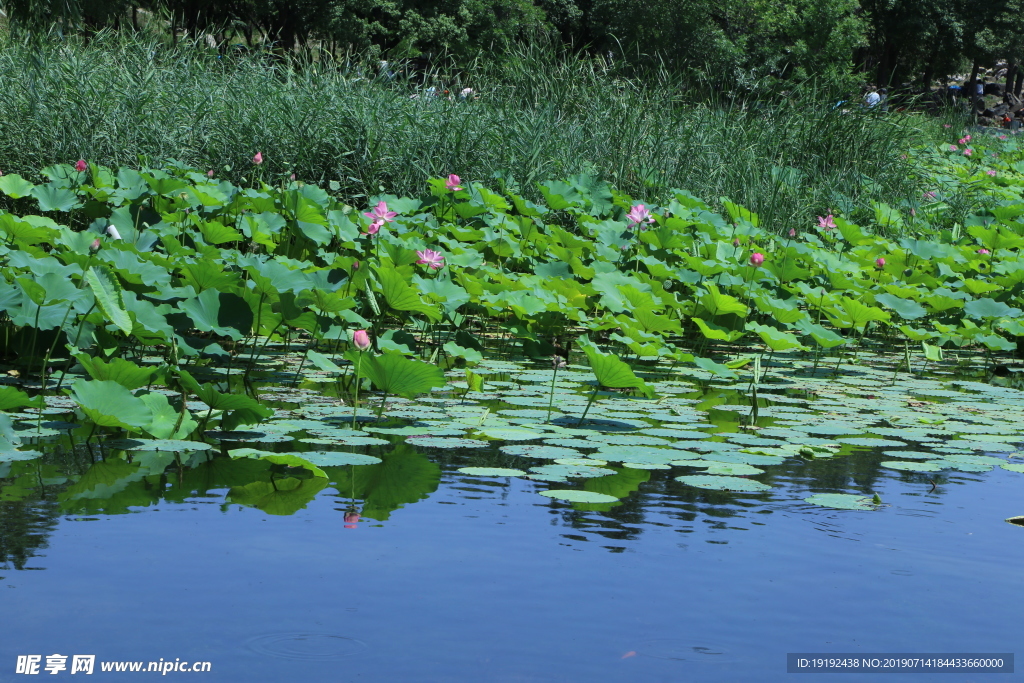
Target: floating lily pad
[14,455]
[947,464]
[512,433]
[541,451]
[868,441]
[841,501]
[572,471]
[647,466]
[335,458]
[735,469]
[593,462]
[492,471]
[911,466]
[578,496]
[1012,466]
[720,483]
[348,440]
[168,445]
[249,437]
[446,442]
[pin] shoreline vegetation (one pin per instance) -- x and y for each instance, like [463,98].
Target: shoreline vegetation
[127,100]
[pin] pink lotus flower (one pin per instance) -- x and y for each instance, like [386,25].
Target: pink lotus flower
[947,125]
[953,148]
[81,165]
[929,195]
[380,214]
[792,233]
[258,159]
[452,184]
[826,222]
[373,227]
[95,246]
[968,152]
[756,259]
[880,262]
[967,138]
[209,174]
[991,173]
[351,520]
[430,258]
[639,215]
[361,339]
[113,233]
[1002,137]
[962,141]
[984,251]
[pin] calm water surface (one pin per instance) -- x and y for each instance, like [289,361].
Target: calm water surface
[484,580]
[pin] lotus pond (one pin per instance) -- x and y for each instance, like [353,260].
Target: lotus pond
[471,436]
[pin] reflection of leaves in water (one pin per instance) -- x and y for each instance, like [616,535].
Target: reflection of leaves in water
[25,521]
[216,473]
[139,493]
[405,476]
[102,480]
[280,497]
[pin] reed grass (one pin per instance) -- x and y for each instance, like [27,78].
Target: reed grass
[127,99]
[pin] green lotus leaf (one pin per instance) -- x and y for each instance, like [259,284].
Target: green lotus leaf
[223,313]
[107,291]
[612,372]
[393,373]
[108,404]
[11,398]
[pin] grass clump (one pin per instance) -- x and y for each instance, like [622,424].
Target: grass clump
[128,100]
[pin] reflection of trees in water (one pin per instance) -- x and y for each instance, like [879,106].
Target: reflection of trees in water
[25,526]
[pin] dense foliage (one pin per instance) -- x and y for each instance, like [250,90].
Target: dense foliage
[120,101]
[745,43]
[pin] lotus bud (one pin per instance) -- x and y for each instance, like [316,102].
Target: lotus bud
[792,233]
[736,243]
[209,174]
[355,265]
[756,259]
[361,339]
[81,165]
[258,159]
[95,246]
[880,262]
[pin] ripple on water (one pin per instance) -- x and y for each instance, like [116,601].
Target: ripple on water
[308,646]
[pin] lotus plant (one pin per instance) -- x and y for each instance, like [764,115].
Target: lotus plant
[361,340]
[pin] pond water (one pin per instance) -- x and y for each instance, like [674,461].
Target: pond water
[411,570]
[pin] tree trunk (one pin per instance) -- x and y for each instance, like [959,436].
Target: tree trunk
[1011,75]
[1020,82]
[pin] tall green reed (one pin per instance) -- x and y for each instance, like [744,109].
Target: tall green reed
[124,97]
